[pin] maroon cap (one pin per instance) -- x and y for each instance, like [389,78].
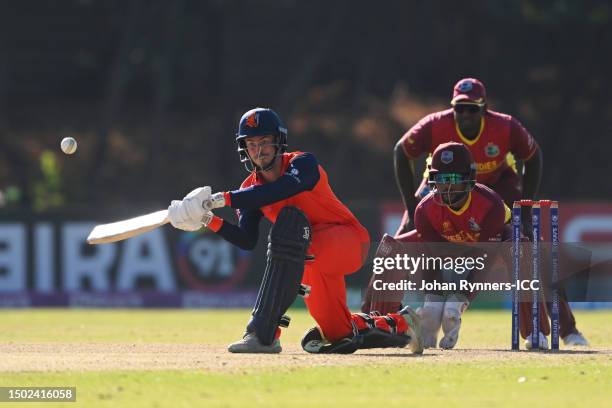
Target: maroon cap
[469,90]
[452,157]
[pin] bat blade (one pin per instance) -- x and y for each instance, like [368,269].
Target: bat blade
[120,230]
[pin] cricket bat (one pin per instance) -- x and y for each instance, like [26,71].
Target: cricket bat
[120,230]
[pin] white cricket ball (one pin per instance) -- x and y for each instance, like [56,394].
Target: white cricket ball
[68,145]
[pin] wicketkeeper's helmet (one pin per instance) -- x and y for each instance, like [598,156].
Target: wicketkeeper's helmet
[452,163]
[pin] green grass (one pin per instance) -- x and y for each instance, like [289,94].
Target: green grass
[125,326]
[452,378]
[450,385]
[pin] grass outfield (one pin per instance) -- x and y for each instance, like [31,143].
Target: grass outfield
[173,358]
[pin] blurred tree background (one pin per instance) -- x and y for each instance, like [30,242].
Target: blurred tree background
[153,90]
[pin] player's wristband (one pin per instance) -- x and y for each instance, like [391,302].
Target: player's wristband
[215,224]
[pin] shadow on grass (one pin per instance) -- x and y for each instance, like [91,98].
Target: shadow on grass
[399,355]
[552,352]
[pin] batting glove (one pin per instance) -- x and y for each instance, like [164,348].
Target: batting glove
[217,200]
[189,214]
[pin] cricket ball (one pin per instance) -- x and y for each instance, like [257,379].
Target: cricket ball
[68,145]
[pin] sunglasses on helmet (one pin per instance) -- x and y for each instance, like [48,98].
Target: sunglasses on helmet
[449,178]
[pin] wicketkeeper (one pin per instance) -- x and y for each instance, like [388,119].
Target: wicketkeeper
[456,210]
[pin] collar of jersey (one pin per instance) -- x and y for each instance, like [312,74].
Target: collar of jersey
[465,206]
[285,165]
[465,139]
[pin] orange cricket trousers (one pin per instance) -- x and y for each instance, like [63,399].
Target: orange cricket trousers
[339,250]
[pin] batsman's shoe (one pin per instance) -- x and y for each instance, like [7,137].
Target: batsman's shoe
[543,342]
[251,344]
[314,343]
[414,329]
[575,339]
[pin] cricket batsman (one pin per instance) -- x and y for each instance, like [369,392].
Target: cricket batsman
[314,242]
[495,141]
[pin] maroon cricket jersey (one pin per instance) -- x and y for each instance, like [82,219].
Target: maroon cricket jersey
[499,135]
[482,217]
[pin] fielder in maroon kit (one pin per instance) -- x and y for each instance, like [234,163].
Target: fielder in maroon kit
[456,210]
[495,140]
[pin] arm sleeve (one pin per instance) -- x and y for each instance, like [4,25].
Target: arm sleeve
[532,174]
[418,139]
[245,234]
[424,227]
[493,223]
[525,148]
[404,177]
[301,175]
[522,144]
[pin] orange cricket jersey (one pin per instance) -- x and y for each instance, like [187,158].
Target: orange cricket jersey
[320,204]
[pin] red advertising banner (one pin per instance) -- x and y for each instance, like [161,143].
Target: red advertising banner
[585,222]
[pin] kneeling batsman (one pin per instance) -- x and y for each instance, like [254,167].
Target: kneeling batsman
[310,228]
[288,243]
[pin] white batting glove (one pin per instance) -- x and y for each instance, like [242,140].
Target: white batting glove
[177,219]
[217,200]
[188,214]
[188,225]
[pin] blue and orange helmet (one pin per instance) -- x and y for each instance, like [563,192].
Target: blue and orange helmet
[260,122]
